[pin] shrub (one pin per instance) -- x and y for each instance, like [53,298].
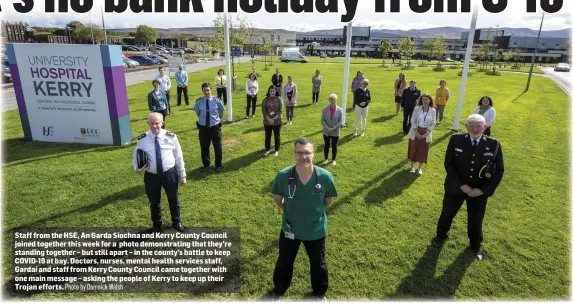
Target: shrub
[438,69]
[493,73]
[460,73]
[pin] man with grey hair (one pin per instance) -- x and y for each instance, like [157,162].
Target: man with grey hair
[303,191]
[164,164]
[181,79]
[474,169]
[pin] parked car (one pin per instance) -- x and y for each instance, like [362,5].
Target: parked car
[564,67]
[144,60]
[447,59]
[161,59]
[6,74]
[130,62]
[323,55]
[163,56]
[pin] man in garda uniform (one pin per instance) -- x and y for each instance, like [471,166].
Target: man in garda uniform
[209,110]
[164,155]
[304,191]
[468,180]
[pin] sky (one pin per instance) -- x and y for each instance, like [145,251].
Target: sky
[514,16]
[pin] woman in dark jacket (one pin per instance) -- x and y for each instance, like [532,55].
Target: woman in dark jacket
[272,119]
[157,101]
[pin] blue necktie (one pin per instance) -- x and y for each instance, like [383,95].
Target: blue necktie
[158,157]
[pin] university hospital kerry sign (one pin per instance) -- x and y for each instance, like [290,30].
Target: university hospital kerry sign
[71,93]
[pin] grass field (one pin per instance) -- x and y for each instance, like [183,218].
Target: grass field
[380,225]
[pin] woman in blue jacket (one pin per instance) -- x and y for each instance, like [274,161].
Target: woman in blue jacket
[157,101]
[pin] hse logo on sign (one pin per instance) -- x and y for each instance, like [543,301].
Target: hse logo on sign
[48,130]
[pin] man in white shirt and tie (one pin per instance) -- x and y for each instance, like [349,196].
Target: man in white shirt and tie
[165,168]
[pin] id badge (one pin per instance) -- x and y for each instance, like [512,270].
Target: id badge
[288,234]
[272,113]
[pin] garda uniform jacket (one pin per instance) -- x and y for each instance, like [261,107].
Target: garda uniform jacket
[463,164]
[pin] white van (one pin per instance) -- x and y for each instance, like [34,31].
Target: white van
[293,56]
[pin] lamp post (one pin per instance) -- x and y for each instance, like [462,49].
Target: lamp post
[534,53]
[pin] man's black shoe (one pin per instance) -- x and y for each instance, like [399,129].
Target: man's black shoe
[179,227]
[204,169]
[218,169]
[437,242]
[157,228]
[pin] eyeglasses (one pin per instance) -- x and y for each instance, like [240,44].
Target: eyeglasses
[301,154]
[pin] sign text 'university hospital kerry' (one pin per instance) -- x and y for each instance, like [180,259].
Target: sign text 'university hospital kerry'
[68,68]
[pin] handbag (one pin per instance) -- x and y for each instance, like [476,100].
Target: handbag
[488,170]
[141,158]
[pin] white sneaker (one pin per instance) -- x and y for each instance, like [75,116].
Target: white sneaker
[355,134]
[420,171]
[334,163]
[362,135]
[267,153]
[325,162]
[412,170]
[276,154]
[253,116]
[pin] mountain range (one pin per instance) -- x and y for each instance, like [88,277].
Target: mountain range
[447,32]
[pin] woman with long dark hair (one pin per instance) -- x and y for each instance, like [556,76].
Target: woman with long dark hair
[423,123]
[272,119]
[485,108]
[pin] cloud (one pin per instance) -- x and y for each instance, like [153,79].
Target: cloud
[393,24]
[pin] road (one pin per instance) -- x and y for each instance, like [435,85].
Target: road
[562,79]
[9,99]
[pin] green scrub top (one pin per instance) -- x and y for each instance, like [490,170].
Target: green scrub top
[304,207]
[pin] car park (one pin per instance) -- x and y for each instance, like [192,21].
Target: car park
[6,73]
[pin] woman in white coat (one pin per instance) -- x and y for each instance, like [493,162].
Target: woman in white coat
[423,123]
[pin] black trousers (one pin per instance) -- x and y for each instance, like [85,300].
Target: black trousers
[315,97]
[288,249]
[476,211]
[487,132]
[407,117]
[170,183]
[222,92]
[290,112]
[184,91]
[251,102]
[206,136]
[164,114]
[168,95]
[276,129]
[327,140]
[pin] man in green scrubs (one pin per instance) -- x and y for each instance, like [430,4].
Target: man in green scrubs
[303,191]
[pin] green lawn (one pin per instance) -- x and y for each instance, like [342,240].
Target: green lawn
[380,225]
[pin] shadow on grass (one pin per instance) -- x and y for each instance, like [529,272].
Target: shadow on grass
[24,152]
[341,141]
[390,187]
[254,130]
[421,282]
[130,193]
[514,100]
[384,118]
[395,138]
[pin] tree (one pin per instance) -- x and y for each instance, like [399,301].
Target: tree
[518,55]
[238,33]
[406,47]
[266,47]
[499,54]
[440,50]
[145,34]
[75,25]
[85,33]
[428,49]
[384,48]
[484,52]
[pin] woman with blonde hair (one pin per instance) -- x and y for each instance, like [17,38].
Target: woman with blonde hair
[420,135]
[442,97]
[331,123]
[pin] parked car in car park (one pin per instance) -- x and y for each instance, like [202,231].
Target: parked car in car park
[130,62]
[145,60]
[6,74]
[562,67]
[161,59]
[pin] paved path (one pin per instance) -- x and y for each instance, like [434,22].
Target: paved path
[9,99]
